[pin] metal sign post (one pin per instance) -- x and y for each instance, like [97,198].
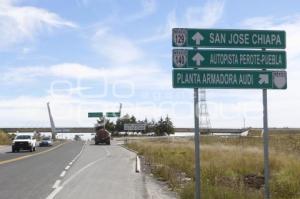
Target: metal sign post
[266,143]
[197,145]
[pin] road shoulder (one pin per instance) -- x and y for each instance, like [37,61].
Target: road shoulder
[154,187]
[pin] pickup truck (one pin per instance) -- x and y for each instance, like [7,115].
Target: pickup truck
[25,142]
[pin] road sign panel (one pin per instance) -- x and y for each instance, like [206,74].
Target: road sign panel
[95,114]
[248,59]
[113,114]
[235,79]
[226,38]
[135,127]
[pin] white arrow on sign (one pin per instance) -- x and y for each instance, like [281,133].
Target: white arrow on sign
[198,38]
[198,58]
[263,79]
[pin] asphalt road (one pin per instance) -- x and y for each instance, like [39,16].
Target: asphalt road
[77,170]
[7,154]
[33,177]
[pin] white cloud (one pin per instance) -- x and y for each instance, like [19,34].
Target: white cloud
[148,8]
[163,32]
[19,24]
[73,70]
[139,77]
[116,48]
[259,22]
[22,74]
[205,16]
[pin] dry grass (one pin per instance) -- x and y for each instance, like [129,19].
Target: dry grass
[224,164]
[4,138]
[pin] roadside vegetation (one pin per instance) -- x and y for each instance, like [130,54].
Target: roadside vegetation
[5,138]
[231,168]
[164,126]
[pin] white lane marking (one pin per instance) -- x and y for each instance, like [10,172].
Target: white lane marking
[107,152]
[81,170]
[58,189]
[77,156]
[56,184]
[63,174]
[54,192]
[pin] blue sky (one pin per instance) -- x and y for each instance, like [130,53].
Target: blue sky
[91,55]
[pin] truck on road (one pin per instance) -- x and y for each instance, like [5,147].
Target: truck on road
[25,142]
[102,135]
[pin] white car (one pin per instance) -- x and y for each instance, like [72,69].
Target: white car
[25,142]
[46,141]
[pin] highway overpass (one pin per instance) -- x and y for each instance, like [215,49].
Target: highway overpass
[91,130]
[182,130]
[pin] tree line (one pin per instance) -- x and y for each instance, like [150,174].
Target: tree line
[164,126]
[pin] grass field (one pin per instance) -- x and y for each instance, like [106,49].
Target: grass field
[230,167]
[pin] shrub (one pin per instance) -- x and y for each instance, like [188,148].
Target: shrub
[4,138]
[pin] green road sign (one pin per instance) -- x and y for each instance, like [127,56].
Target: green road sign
[95,114]
[247,59]
[222,38]
[113,114]
[236,79]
